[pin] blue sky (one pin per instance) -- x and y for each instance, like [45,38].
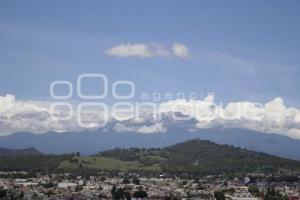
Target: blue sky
[240,50]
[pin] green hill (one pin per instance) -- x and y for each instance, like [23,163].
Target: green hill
[29,159]
[194,157]
[13,152]
[204,157]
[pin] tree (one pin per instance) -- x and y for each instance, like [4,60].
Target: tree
[170,198]
[274,195]
[119,193]
[113,191]
[126,180]
[49,185]
[219,195]
[21,195]
[50,192]
[3,193]
[78,188]
[140,194]
[254,190]
[136,181]
[127,195]
[102,178]
[229,190]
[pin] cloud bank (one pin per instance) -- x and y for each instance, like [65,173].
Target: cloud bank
[38,117]
[143,50]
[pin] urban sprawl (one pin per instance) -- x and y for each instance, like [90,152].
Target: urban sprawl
[104,185]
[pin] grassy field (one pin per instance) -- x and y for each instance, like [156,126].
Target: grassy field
[104,163]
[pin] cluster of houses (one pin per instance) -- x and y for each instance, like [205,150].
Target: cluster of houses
[20,185]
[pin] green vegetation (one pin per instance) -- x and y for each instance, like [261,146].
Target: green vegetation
[120,193]
[15,152]
[194,157]
[32,163]
[105,163]
[254,191]
[204,157]
[272,194]
[219,195]
[140,194]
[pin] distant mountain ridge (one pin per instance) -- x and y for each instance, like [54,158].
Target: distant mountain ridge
[92,142]
[15,152]
[192,157]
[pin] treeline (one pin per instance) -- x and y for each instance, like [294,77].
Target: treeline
[32,163]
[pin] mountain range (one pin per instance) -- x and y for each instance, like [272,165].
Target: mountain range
[92,142]
[192,157]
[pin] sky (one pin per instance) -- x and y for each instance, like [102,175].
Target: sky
[238,50]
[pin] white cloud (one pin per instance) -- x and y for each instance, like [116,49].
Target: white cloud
[155,128]
[30,116]
[137,50]
[271,117]
[143,129]
[180,50]
[143,50]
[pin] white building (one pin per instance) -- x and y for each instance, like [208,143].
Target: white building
[241,193]
[66,185]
